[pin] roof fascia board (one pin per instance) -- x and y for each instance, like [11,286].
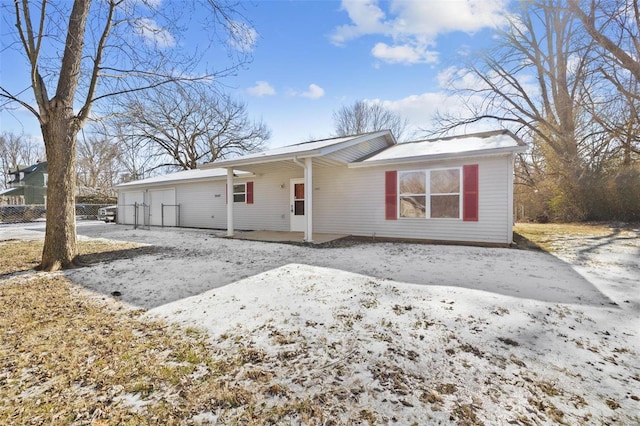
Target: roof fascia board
[253,161]
[440,157]
[180,181]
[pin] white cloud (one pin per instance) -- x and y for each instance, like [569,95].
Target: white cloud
[404,54]
[421,111]
[432,18]
[242,37]
[149,30]
[314,92]
[413,25]
[262,88]
[366,16]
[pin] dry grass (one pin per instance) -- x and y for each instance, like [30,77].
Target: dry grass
[68,358]
[65,358]
[544,235]
[20,256]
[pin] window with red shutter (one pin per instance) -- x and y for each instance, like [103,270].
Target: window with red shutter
[240,193]
[470,193]
[391,195]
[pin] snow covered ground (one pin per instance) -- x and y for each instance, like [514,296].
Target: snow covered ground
[401,332]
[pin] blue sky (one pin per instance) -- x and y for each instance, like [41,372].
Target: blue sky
[312,57]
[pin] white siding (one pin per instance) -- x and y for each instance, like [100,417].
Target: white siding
[270,209]
[198,204]
[351,201]
[204,204]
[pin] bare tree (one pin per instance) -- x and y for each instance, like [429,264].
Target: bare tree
[136,157]
[98,164]
[363,117]
[17,150]
[537,81]
[80,53]
[189,126]
[615,26]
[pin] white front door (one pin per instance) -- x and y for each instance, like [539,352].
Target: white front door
[297,217]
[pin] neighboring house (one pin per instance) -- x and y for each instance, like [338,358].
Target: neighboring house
[27,185]
[450,189]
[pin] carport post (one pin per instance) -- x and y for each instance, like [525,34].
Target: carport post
[229,202]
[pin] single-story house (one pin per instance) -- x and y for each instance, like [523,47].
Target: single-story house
[448,189]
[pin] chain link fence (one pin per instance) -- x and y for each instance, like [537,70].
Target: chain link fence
[37,212]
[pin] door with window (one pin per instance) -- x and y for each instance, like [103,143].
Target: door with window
[297,217]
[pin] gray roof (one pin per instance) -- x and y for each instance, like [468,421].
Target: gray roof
[486,143]
[301,150]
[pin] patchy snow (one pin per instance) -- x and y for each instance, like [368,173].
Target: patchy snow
[192,261]
[414,333]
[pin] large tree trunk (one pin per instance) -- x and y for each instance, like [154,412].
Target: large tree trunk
[60,245]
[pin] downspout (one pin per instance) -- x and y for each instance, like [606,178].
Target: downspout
[299,163]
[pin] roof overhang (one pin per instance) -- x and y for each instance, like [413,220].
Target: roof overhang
[253,160]
[164,183]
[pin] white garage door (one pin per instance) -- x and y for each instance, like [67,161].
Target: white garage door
[163,210]
[127,210]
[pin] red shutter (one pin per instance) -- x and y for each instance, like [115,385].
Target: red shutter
[470,193]
[249,192]
[391,195]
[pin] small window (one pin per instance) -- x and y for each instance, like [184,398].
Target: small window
[444,190]
[46,178]
[413,199]
[239,193]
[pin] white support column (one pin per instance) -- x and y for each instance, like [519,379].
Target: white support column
[230,202]
[511,171]
[308,198]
